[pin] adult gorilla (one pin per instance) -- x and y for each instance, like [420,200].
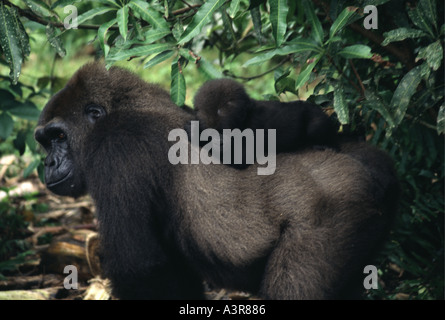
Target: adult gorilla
[304,232]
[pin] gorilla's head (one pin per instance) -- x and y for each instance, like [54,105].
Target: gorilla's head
[222,104]
[68,120]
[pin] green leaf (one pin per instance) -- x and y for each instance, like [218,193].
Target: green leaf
[7,100]
[281,73]
[441,120]
[31,142]
[41,172]
[178,30]
[340,105]
[401,34]
[6,125]
[317,29]
[155,35]
[159,58]
[136,27]
[201,17]
[63,3]
[122,21]
[228,26]
[234,8]
[10,42]
[299,46]
[101,35]
[54,39]
[285,84]
[343,19]
[305,73]
[139,51]
[296,46]
[187,54]
[403,93]
[22,34]
[260,58]
[113,3]
[209,69]
[40,8]
[151,16]
[92,13]
[32,166]
[376,103]
[169,5]
[427,8]
[178,88]
[433,54]
[357,51]
[421,21]
[257,24]
[26,110]
[278,16]
[19,142]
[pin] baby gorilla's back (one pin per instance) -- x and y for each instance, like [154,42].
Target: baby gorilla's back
[299,124]
[224,104]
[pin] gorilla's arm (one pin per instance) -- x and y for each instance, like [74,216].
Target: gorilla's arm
[133,214]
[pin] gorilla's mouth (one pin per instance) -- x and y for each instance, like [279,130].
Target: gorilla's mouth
[59,181]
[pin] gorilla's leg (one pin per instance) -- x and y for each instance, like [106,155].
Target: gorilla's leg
[297,267]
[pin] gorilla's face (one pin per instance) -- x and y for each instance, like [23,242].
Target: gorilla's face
[61,175]
[62,137]
[232,114]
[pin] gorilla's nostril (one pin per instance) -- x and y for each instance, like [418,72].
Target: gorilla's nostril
[50,162]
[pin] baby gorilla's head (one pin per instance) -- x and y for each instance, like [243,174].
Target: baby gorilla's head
[222,104]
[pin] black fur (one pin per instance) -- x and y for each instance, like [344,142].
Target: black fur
[305,232]
[224,104]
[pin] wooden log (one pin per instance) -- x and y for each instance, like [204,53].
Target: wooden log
[37,294]
[31,282]
[71,249]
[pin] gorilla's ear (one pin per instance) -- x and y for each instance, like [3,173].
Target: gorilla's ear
[94,112]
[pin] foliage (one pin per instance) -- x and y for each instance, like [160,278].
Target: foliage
[12,226]
[386,82]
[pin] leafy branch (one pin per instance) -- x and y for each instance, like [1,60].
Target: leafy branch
[260,75]
[318,49]
[29,14]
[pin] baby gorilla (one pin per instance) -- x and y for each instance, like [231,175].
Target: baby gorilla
[224,104]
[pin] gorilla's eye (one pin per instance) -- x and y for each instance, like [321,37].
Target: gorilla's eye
[61,136]
[94,112]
